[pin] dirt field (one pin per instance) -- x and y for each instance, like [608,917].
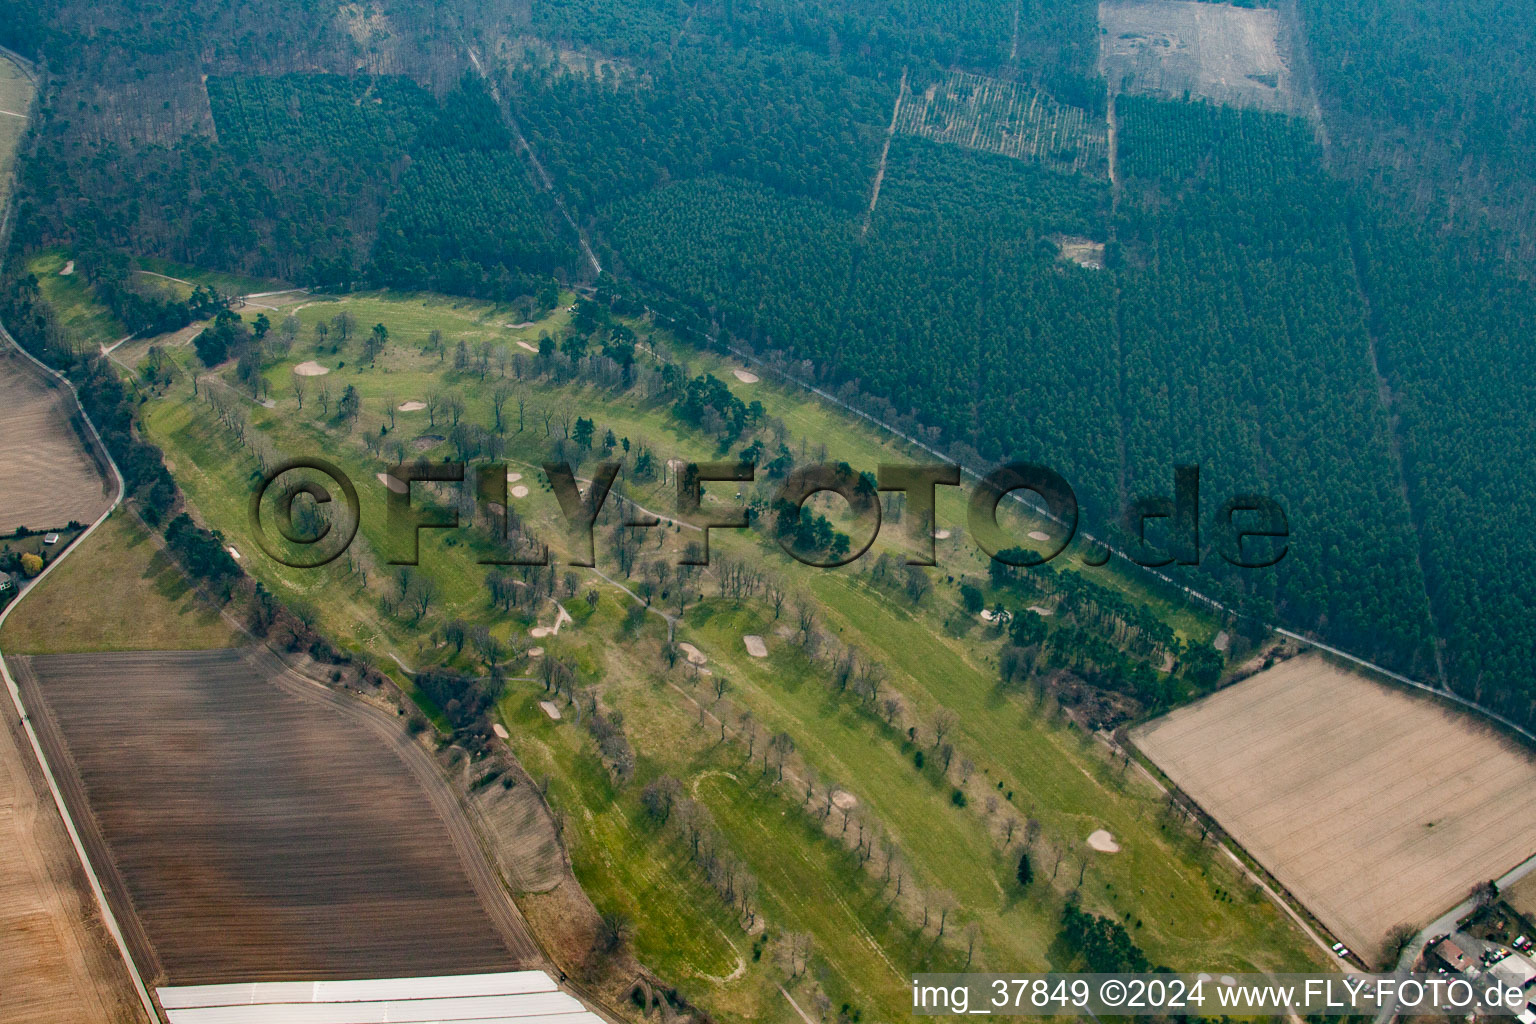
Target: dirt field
[47,477]
[1373,806]
[60,965]
[1232,55]
[261,829]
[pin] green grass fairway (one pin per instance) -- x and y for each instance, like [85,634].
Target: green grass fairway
[1183,903]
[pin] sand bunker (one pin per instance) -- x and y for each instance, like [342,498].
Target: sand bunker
[535,652]
[310,369]
[550,709]
[1103,842]
[500,731]
[755,646]
[519,491]
[1039,535]
[1040,609]
[746,377]
[844,799]
[412,406]
[531,348]
[695,655]
[941,535]
[513,478]
[394,483]
[518,327]
[1222,641]
[540,632]
[233,553]
[69,268]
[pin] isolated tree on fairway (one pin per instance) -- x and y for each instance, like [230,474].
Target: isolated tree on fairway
[377,339]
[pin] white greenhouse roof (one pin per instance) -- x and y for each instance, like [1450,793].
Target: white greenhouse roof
[515,997]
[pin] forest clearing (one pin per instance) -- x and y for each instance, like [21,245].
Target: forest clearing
[1006,118]
[1216,51]
[1374,806]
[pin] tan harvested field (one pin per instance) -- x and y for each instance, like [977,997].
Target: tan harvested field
[1372,805]
[263,827]
[1168,48]
[47,474]
[60,966]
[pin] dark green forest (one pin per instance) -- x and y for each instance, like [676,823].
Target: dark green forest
[1335,320]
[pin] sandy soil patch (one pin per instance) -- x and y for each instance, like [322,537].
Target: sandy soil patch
[412,406]
[310,368]
[1222,641]
[695,655]
[426,442]
[68,268]
[844,800]
[1039,535]
[746,376]
[550,709]
[394,483]
[755,645]
[1373,805]
[519,491]
[60,967]
[1103,842]
[500,731]
[1082,251]
[1180,50]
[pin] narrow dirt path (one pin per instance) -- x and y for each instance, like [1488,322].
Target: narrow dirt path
[527,150]
[885,152]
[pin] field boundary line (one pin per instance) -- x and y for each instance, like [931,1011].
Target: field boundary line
[108,917]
